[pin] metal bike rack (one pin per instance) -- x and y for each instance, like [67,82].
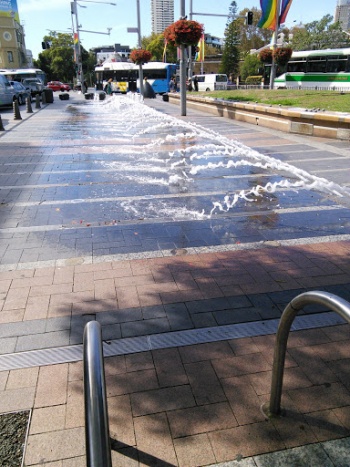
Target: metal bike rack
[98,448]
[333,302]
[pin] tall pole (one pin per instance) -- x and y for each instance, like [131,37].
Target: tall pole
[79,57]
[274,45]
[139,44]
[190,47]
[182,67]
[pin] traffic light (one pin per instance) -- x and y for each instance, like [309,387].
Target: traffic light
[45,45]
[249,18]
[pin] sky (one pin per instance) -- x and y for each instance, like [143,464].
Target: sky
[40,16]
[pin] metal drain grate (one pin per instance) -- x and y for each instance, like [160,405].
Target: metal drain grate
[131,345]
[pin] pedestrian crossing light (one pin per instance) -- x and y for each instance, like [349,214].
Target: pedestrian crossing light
[249,18]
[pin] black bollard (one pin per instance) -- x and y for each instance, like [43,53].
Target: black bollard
[37,102]
[43,97]
[1,125]
[16,112]
[29,105]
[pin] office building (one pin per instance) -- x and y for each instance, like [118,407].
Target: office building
[162,14]
[12,44]
[342,14]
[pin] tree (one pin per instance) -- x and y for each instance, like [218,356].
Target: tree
[230,57]
[250,66]
[318,35]
[155,44]
[252,37]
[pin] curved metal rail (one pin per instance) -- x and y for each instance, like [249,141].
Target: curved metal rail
[98,449]
[333,302]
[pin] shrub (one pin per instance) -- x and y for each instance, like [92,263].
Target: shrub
[265,56]
[282,55]
[254,80]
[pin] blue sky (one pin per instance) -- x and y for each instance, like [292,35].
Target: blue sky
[39,16]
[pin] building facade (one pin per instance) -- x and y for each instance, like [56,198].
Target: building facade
[342,14]
[162,14]
[12,44]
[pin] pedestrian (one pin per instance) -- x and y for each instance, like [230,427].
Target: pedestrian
[171,85]
[85,87]
[195,83]
[108,88]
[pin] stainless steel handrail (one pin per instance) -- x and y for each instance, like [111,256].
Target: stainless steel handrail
[98,448]
[333,302]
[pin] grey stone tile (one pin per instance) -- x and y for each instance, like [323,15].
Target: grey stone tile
[311,455]
[149,326]
[42,341]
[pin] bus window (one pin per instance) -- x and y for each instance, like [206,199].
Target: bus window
[297,66]
[336,64]
[316,64]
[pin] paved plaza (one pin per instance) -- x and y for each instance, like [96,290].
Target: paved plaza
[185,238]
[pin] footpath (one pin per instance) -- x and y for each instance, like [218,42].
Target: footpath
[188,334]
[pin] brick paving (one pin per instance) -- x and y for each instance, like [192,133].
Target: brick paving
[190,405]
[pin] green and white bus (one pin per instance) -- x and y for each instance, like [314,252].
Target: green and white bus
[317,69]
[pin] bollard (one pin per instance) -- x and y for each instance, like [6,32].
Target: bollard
[29,105]
[37,102]
[16,112]
[1,125]
[43,97]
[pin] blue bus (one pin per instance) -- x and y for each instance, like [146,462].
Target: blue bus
[125,76]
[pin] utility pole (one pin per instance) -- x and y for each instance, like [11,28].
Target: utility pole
[182,67]
[274,44]
[139,44]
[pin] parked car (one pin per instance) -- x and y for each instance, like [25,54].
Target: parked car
[33,85]
[21,92]
[58,86]
[7,93]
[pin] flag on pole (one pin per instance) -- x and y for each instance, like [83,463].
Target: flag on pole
[269,16]
[76,46]
[284,10]
[200,50]
[164,50]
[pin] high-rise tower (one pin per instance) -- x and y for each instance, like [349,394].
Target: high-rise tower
[342,14]
[162,14]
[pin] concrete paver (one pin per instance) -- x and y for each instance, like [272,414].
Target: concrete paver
[193,404]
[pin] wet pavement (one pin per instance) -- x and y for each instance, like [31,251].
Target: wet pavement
[185,238]
[116,177]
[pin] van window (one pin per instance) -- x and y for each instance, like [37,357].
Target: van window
[221,78]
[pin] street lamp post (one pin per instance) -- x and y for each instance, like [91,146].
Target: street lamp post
[139,42]
[182,67]
[78,56]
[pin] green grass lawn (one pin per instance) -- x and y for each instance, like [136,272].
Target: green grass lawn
[324,100]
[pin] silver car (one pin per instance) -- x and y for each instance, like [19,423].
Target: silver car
[7,93]
[21,92]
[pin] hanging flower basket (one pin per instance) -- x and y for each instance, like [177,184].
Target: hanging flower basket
[183,32]
[282,55]
[265,56]
[140,56]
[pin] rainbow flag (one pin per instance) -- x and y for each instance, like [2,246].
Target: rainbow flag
[200,50]
[269,10]
[268,16]
[164,51]
[284,10]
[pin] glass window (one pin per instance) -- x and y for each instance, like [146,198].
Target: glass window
[297,66]
[10,56]
[316,65]
[336,64]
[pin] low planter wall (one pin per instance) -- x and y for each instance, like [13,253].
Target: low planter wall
[334,125]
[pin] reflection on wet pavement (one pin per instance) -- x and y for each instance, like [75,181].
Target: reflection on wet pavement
[118,177]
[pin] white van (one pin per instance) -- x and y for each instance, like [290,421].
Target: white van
[211,82]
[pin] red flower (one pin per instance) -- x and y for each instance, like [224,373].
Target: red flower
[183,32]
[140,56]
